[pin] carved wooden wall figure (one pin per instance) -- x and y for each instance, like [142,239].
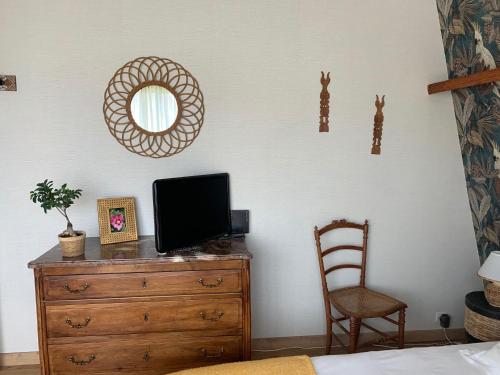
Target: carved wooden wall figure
[377,128]
[324,104]
[8,83]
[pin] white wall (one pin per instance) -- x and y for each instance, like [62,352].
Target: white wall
[258,65]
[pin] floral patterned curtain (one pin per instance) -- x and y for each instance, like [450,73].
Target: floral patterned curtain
[471,38]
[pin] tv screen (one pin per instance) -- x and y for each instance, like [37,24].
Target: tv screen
[189,210]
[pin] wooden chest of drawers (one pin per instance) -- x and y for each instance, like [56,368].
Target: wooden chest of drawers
[122,309]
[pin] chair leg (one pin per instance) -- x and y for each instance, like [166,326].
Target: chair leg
[401,326]
[354,327]
[329,335]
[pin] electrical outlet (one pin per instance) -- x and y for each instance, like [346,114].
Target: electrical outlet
[443,319]
[438,315]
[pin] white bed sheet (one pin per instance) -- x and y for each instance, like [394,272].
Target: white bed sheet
[441,360]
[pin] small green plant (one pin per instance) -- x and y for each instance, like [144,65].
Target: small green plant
[60,199]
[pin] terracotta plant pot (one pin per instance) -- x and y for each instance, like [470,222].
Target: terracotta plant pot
[73,246]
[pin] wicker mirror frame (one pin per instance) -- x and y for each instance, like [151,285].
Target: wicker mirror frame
[143,72]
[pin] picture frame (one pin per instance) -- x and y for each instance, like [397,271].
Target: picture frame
[117,220]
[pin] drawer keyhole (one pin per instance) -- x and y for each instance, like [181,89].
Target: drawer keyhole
[146,356]
[146,317]
[217,354]
[144,284]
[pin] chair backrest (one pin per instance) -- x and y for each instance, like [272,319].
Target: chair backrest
[341,224]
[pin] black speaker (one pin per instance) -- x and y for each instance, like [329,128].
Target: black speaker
[240,221]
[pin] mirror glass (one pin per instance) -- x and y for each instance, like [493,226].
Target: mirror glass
[154,108]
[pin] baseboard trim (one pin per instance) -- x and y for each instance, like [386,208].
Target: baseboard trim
[420,336]
[19,359]
[273,343]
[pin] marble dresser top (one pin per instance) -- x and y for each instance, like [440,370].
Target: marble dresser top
[142,251]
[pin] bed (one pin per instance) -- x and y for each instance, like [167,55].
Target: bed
[470,359]
[440,360]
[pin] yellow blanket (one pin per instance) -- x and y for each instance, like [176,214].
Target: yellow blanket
[300,365]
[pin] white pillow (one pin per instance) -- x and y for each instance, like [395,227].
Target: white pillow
[488,361]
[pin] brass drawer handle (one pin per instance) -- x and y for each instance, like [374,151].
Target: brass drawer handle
[76,362]
[216,355]
[81,289]
[79,325]
[202,282]
[220,314]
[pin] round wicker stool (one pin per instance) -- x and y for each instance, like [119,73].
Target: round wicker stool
[482,321]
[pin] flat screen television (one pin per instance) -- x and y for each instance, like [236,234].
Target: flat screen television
[189,210]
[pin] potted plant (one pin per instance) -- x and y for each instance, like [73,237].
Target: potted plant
[72,242]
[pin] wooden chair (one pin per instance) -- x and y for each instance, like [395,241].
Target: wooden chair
[357,302]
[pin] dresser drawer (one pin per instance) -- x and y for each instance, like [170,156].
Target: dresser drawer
[142,356]
[137,317]
[141,284]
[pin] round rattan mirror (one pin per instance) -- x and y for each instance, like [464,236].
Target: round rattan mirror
[154,107]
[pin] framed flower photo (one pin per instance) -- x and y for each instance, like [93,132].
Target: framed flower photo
[117,222]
